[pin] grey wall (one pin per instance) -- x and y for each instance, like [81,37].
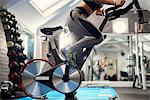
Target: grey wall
[4,69]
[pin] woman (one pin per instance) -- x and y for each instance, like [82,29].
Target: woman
[84,34]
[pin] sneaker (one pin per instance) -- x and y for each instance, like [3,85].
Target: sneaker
[69,57]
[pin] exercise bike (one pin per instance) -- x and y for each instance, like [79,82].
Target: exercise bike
[39,76]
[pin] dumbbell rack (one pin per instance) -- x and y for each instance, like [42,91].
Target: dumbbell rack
[15,49]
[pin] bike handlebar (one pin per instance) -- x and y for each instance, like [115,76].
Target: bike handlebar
[140,13]
[113,13]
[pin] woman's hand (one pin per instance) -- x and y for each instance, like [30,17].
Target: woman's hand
[119,2]
[140,28]
[100,12]
[111,2]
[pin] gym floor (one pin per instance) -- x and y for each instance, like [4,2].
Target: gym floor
[90,94]
[133,94]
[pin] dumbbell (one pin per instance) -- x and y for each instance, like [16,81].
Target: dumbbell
[14,67]
[13,77]
[22,57]
[18,45]
[8,27]
[13,37]
[10,44]
[9,30]
[17,54]
[19,58]
[9,37]
[16,48]
[3,12]
[4,20]
[21,64]
[11,53]
[19,41]
[6,17]
[17,34]
[11,24]
[13,17]
[12,64]
[7,90]
[17,70]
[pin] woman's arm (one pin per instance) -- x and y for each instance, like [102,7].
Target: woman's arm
[85,6]
[111,2]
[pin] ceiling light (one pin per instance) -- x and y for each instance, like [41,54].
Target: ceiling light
[120,25]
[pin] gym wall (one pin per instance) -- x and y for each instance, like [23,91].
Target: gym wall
[4,69]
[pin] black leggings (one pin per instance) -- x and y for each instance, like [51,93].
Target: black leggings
[84,33]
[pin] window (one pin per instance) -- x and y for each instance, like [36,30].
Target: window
[46,7]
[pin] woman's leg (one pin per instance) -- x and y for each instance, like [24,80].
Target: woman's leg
[86,42]
[85,34]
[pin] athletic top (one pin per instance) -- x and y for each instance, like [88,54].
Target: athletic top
[92,4]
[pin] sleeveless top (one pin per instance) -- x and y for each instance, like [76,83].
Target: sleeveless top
[93,5]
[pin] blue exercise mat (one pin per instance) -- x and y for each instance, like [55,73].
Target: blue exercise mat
[83,94]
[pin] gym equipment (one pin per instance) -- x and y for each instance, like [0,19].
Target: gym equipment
[4,70]
[13,77]
[62,77]
[49,31]
[4,14]
[11,54]
[15,48]
[19,41]
[10,44]
[4,20]
[7,89]
[14,67]
[6,27]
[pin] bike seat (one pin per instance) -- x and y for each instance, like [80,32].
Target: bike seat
[50,31]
